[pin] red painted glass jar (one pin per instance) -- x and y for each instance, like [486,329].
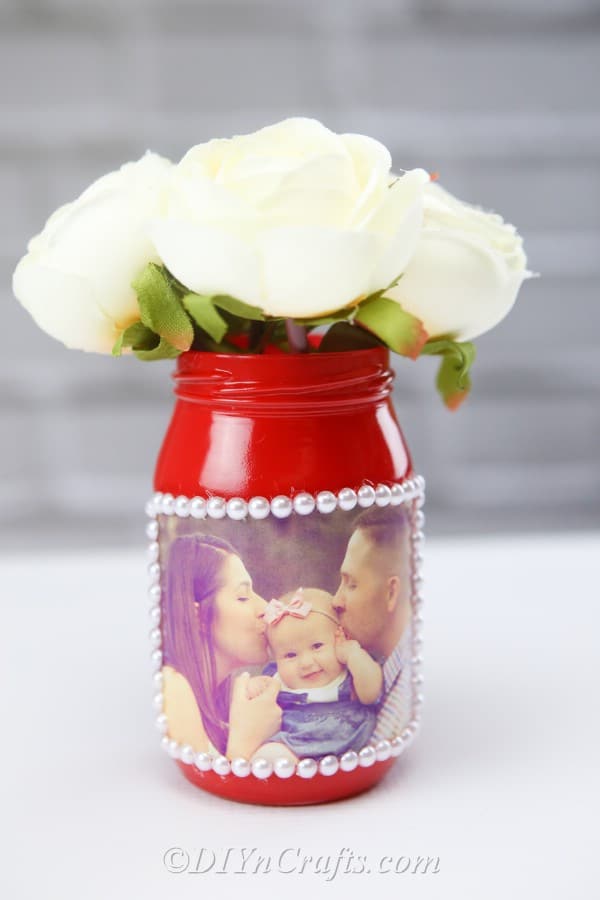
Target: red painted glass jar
[284,468]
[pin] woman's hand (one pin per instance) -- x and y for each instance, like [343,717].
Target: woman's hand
[252,720]
[257,684]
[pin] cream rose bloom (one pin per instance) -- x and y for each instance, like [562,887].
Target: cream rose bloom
[293,219]
[466,271]
[75,279]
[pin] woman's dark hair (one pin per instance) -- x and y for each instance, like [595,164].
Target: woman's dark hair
[194,577]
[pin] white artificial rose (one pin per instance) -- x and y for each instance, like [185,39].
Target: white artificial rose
[75,279]
[294,219]
[466,271]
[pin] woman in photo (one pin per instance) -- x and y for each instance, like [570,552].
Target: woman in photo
[213,626]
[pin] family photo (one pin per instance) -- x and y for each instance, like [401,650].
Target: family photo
[287,638]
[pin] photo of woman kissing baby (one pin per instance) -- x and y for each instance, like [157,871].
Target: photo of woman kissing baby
[315,670]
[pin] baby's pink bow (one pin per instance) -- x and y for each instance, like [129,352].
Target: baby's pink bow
[297,607]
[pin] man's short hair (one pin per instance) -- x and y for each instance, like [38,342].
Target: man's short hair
[386,526]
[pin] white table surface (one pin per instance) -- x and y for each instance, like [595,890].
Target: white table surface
[502,783]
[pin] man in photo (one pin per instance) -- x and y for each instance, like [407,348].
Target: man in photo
[373,605]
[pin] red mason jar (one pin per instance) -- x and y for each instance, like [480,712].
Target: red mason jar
[285,543]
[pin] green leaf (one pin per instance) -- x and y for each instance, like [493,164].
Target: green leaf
[397,329]
[453,379]
[145,343]
[346,336]
[347,314]
[138,336]
[342,315]
[161,309]
[203,342]
[163,350]
[202,311]
[381,293]
[236,325]
[117,348]
[238,308]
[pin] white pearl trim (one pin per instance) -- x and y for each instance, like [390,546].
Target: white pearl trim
[411,492]
[282,506]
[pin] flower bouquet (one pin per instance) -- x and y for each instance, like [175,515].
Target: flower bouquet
[285,532]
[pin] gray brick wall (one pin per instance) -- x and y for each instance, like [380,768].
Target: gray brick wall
[500,97]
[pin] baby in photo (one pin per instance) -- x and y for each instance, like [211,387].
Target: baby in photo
[329,685]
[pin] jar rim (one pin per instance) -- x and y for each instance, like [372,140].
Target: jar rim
[198,355]
[287,381]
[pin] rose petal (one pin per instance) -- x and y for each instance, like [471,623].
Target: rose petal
[205,160]
[76,278]
[105,243]
[400,216]
[200,201]
[142,178]
[101,237]
[296,137]
[372,163]
[399,250]
[443,210]
[64,306]
[398,201]
[208,260]
[319,191]
[456,286]
[310,271]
